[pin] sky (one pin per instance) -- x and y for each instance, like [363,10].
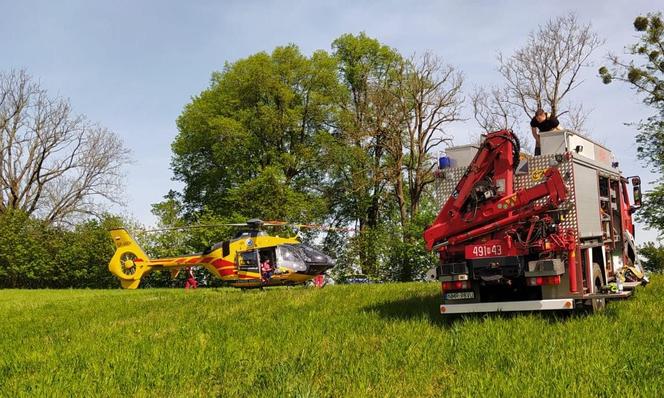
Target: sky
[133,65]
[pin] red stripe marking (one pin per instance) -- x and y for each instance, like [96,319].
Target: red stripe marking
[220,262]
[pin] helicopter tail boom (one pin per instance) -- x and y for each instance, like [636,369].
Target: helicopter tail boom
[129,262]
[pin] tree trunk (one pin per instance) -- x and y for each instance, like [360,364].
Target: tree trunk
[401,200]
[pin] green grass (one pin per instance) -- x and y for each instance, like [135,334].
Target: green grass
[358,340]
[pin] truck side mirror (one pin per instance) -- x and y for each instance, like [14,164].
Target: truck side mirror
[636,186]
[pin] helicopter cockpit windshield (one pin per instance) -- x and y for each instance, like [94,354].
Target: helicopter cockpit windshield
[302,258]
[312,256]
[288,257]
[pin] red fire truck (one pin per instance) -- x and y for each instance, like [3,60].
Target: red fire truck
[547,232]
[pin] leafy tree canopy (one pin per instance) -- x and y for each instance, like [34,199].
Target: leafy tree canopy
[644,72]
[257,124]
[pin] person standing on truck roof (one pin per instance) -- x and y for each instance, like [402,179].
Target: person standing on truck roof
[542,121]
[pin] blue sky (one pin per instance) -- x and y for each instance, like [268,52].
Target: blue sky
[133,65]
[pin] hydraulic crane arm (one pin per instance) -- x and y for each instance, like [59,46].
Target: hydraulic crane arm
[519,205]
[495,160]
[496,155]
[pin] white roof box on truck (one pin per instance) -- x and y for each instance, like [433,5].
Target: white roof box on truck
[560,141]
[461,156]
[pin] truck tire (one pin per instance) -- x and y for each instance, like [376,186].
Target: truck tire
[598,304]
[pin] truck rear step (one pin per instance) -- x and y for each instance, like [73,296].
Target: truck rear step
[617,295]
[631,285]
[508,306]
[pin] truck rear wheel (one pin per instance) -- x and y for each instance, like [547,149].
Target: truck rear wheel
[598,304]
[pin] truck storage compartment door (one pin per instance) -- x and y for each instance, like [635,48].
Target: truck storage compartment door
[587,201]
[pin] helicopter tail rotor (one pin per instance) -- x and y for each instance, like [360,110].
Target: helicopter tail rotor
[129,262]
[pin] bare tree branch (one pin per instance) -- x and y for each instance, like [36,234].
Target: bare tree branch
[53,163]
[428,95]
[543,72]
[577,117]
[493,111]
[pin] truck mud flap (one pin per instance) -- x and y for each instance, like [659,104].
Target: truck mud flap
[508,306]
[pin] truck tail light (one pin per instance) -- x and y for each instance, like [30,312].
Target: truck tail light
[456,285]
[544,280]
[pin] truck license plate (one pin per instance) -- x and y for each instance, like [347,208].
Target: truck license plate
[459,295]
[492,248]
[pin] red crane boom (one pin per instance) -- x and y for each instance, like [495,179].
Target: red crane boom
[487,187]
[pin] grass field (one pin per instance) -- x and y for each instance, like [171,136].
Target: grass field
[353,340]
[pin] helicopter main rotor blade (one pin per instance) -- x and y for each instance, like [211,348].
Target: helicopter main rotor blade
[254,223]
[320,227]
[192,227]
[324,228]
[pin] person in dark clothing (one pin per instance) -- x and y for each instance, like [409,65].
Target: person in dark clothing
[541,122]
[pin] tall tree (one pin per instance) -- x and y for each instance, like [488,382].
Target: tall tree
[429,97]
[644,72]
[546,69]
[252,135]
[333,137]
[356,149]
[53,162]
[365,66]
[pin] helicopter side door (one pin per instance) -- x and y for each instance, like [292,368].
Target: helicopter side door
[247,264]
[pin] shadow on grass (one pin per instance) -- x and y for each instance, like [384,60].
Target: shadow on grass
[428,307]
[417,307]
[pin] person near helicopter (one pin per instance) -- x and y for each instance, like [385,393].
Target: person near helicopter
[266,270]
[191,280]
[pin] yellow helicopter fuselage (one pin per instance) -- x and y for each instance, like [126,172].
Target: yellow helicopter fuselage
[236,261]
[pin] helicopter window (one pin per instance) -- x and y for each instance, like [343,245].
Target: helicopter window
[288,257]
[248,261]
[312,255]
